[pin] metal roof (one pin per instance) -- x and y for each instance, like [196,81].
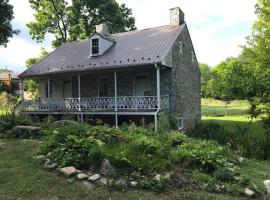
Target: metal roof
[5,75]
[131,48]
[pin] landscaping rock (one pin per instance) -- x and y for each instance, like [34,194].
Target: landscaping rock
[121,182]
[241,159]
[266,184]
[94,178]
[82,176]
[49,165]
[102,181]
[106,167]
[111,182]
[88,184]
[40,158]
[168,175]
[249,192]
[68,171]
[133,183]
[157,177]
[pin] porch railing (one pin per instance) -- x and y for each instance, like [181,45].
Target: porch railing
[132,103]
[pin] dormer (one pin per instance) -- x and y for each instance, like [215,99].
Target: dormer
[100,41]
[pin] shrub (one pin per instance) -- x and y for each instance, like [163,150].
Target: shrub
[167,122]
[80,152]
[206,155]
[10,120]
[224,174]
[56,136]
[105,133]
[247,143]
[175,138]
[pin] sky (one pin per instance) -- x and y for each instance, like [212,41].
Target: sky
[217,27]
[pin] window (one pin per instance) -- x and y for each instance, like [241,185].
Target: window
[192,56]
[46,89]
[104,87]
[180,123]
[95,46]
[180,47]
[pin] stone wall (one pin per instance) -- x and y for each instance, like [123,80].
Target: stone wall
[185,99]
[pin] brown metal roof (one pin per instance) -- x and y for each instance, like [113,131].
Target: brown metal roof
[138,47]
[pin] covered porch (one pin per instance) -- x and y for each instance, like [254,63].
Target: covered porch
[142,90]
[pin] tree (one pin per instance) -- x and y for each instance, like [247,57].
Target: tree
[255,54]
[229,81]
[206,75]
[3,70]
[77,19]
[31,85]
[6,15]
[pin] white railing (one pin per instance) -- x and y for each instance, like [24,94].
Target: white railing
[97,104]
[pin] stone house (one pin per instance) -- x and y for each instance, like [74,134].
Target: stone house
[124,76]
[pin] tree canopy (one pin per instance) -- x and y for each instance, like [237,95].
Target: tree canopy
[206,75]
[256,55]
[76,20]
[6,15]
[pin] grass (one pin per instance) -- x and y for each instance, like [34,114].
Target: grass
[215,108]
[22,178]
[4,110]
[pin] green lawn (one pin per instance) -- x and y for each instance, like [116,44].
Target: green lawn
[214,108]
[22,178]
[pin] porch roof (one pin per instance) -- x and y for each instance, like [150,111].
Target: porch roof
[139,47]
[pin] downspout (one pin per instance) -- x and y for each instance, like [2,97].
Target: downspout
[158,96]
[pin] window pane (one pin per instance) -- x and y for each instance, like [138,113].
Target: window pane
[94,42]
[95,50]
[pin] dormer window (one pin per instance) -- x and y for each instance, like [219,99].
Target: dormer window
[95,46]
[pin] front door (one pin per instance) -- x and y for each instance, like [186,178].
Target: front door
[67,90]
[142,85]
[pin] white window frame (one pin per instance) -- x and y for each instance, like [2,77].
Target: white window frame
[180,47]
[181,125]
[92,46]
[192,56]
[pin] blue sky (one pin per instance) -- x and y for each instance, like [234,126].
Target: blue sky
[217,27]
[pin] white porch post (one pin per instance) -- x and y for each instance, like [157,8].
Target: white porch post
[158,96]
[49,92]
[115,99]
[158,86]
[80,116]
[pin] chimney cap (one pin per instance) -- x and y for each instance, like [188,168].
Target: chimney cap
[177,16]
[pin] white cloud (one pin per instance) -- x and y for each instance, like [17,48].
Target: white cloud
[213,26]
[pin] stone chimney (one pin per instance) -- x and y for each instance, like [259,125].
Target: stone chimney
[102,29]
[177,16]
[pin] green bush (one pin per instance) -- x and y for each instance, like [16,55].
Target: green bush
[167,121]
[206,155]
[175,138]
[10,120]
[105,133]
[247,143]
[224,174]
